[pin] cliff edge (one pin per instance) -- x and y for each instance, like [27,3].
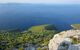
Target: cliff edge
[66,40]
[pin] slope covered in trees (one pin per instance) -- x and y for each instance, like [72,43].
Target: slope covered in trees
[37,36]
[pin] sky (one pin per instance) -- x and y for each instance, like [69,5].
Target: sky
[42,1]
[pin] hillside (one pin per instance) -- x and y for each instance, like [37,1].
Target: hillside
[41,35]
[37,37]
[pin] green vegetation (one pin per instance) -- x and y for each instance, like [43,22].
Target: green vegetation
[75,40]
[39,48]
[42,28]
[76,26]
[37,36]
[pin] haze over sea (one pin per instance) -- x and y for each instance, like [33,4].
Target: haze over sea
[23,16]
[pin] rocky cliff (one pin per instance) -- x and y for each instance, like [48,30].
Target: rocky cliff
[66,40]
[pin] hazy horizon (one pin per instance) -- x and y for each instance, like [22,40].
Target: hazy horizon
[42,1]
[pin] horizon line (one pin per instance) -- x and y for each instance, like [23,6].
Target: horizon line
[43,3]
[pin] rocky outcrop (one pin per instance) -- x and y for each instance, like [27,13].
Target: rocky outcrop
[66,40]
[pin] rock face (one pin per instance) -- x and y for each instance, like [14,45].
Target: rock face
[66,40]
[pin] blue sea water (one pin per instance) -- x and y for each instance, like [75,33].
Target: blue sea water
[23,16]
